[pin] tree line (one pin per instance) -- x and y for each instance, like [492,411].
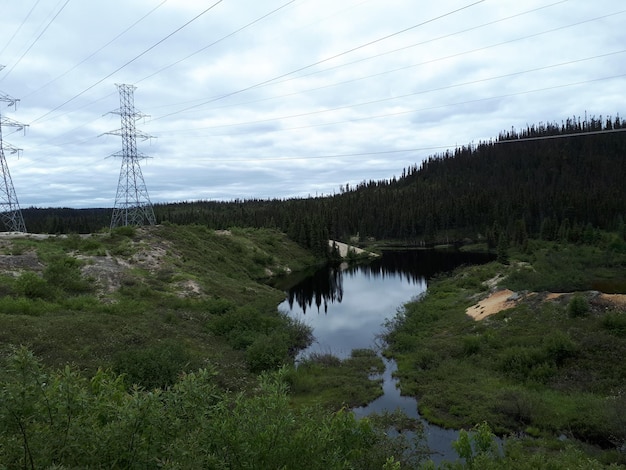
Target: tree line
[550,180]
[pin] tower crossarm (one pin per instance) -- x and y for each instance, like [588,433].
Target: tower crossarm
[8,122]
[10,212]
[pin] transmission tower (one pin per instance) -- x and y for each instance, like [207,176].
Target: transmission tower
[10,212]
[132,204]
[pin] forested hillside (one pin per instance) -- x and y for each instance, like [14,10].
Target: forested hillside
[550,180]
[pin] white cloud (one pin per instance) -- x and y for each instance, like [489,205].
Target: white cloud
[269,110]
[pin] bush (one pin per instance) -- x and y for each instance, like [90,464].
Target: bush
[268,352]
[156,366]
[64,273]
[578,306]
[127,231]
[33,307]
[471,345]
[559,347]
[32,286]
[62,420]
[519,362]
[615,323]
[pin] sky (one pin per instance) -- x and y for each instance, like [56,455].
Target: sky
[279,99]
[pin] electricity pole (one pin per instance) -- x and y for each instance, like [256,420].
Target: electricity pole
[10,212]
[132,203]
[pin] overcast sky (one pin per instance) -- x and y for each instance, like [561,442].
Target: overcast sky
[277,98]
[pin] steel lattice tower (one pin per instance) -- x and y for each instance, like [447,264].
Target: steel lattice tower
[10,212]
[132,204]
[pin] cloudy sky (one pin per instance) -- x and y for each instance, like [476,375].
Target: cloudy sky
[278,98]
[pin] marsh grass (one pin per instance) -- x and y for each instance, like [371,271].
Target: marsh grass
[552,367]
[333,383]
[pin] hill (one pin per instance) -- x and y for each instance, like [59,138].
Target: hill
[149,302]
[162,347]
[547,180]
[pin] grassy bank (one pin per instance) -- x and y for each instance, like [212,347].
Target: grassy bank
[162,347]
[545,368]
[152,302]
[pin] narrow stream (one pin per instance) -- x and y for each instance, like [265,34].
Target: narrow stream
[347,309]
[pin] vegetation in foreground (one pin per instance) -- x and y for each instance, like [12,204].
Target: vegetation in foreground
[551,371]
[159,347]
[64,420]
[333,383]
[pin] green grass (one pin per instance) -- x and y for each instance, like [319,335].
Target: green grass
[552,367]
[325,380]
[151,325]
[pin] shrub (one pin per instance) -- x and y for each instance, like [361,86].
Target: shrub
[64,272]
[268,352]
[62,420]
[128,231]
[615,323]
[155,366]
[322,359]
[518,361]
[559,347]
[578,306]
[32,286]
[471,345]
[34,307]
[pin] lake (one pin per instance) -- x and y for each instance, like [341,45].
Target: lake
[347,309]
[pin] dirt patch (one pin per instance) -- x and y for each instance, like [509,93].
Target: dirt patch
[188,288]
[150,258]
[611,300]
[106,271]
[496,302]
[15,264]
[505,299]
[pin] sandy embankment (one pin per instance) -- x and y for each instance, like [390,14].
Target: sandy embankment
[496,302]
[505,299]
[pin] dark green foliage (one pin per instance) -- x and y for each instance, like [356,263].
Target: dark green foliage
[157,366]
[268,352]
[534,368]
[563,267]
[502,249]
[33,286]
[327,380]
[563,188]
[63,273]
[63,420]
[615,322]
[578,306]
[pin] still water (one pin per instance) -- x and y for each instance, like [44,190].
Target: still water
[347,309]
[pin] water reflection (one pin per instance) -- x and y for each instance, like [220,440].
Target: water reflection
[347,309]
[413,267]
[320,289]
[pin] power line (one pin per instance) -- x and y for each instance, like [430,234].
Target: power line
[19,27]
[408,150]
[446,36]
[130,61]
[421,63]
[217,41]
[429,108]
[421,92]
[323,60]
[380,55]
[97,51]
[35,41]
